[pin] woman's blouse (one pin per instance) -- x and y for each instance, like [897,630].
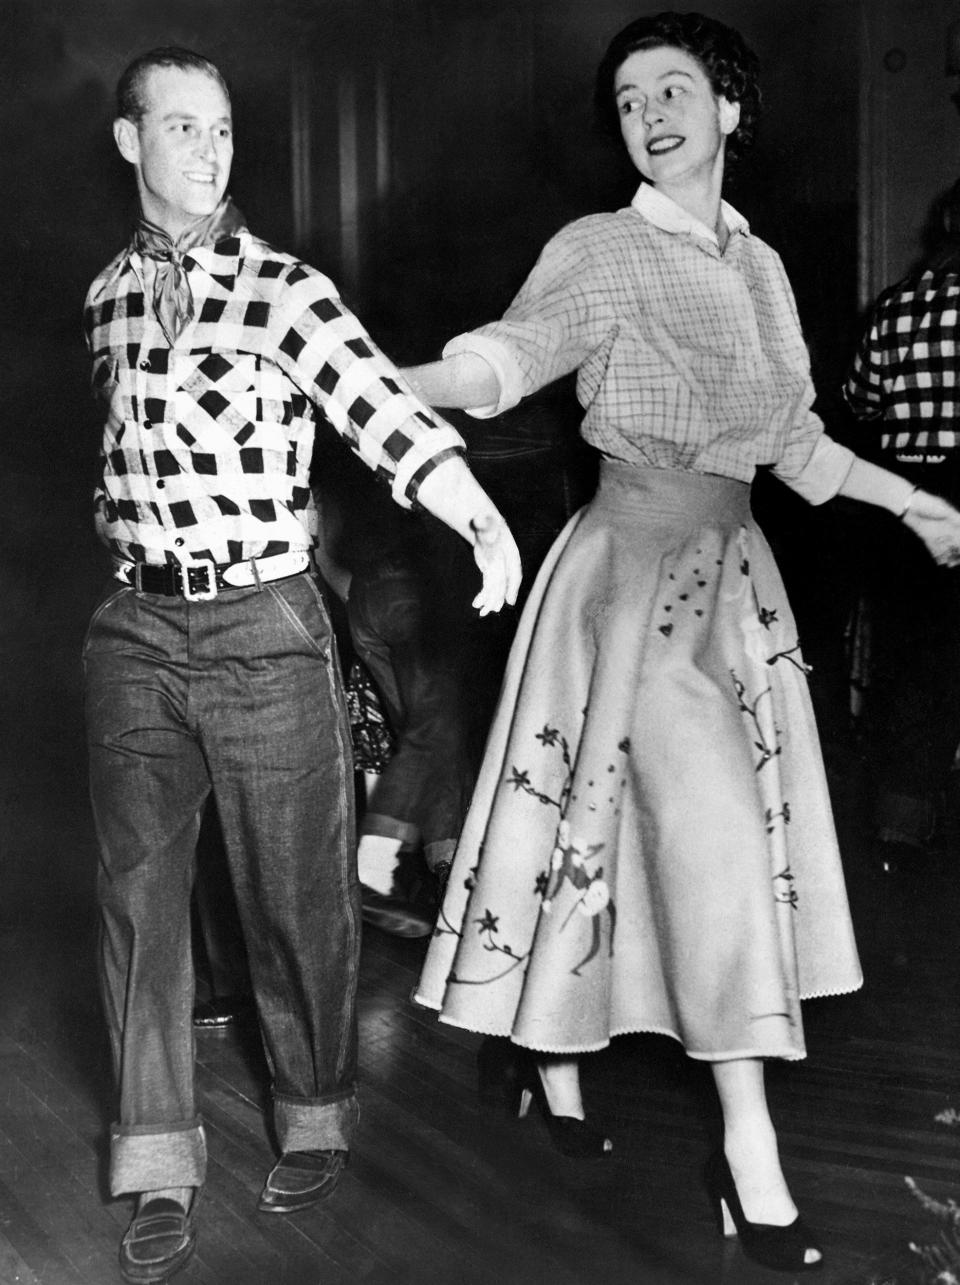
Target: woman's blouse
[687,357]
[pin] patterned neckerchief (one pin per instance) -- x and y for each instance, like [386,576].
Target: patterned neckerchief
[172,296]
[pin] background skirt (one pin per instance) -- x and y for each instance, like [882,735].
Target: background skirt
[650,846]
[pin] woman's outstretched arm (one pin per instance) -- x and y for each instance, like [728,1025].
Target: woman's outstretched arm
[464,381]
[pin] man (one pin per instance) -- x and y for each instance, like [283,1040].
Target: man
[210,666]
[904,383]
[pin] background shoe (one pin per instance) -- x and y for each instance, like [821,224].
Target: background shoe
[394,915]
[222,1010]
[160,1240]
[299,1179]
[441,875]
[894,857]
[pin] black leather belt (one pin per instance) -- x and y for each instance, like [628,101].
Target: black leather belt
[200,581]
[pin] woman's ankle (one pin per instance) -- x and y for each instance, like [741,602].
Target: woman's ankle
[560,1078]
[755,1167]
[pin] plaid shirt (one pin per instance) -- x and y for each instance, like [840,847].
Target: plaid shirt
[207,445]
[687,357]
[907,369]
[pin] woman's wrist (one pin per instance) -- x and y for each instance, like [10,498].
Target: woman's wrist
[906,506]
[875,485]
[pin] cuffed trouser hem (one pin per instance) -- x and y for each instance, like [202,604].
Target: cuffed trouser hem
[390,828]
[305,1124]
[150,1157]
[435,854]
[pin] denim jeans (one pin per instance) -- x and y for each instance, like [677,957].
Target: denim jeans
[240,695]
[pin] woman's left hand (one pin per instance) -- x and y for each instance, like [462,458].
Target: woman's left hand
[937,523]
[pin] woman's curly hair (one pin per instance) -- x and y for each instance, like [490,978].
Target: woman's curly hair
[729,64]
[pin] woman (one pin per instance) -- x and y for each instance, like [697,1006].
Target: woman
[650,846]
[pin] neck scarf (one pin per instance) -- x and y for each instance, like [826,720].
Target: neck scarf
[172,296]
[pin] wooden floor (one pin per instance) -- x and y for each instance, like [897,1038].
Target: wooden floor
[439,1190]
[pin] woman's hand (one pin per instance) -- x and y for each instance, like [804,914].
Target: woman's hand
[937,523]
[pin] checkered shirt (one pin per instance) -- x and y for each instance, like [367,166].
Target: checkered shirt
[906,372]
[687,357]
[207,445]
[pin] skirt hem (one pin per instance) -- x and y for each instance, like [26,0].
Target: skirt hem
[788,1055]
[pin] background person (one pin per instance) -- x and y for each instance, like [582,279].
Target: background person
[904,385]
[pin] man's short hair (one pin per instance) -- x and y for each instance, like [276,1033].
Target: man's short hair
[130,97]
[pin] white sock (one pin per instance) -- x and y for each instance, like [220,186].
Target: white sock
[377,857]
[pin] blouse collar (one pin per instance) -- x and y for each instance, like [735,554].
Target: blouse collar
[665,214]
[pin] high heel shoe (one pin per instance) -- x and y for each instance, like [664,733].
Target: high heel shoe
[508,1078]
[578,1139]
[783,1248]
[498,1069]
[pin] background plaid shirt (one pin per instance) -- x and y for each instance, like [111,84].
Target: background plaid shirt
[207,445]
[907,369]
[687,358]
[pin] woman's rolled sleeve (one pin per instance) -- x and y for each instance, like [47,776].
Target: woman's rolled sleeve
[501,361]
[820,476]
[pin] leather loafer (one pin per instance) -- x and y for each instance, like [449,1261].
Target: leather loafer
[394,915]
[221,1011]
[160,1240]
[299,1179]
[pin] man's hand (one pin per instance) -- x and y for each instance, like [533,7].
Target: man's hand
[937,523]
[496,554]
[451,493]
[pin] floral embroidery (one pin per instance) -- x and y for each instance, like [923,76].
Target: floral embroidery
[757,622]
[572,862]
[768,748]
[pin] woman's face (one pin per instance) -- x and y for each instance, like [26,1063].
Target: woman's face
[673,124]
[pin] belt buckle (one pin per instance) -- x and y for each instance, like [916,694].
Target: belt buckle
[188,572]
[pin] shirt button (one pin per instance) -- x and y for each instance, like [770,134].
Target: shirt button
[160,484]
[148,423]
[178,541]
[144,365]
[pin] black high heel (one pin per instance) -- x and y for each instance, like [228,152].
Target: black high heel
[508,1078]
[782,1248]
[498,1069]
[578,1139]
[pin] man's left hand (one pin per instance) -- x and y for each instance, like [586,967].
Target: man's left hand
[496,554]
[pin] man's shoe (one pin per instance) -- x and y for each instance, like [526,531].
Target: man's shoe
[220,1011]
[160,1240]
[299,1179]
[394,915]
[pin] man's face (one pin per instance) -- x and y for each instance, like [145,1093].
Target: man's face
[182,147]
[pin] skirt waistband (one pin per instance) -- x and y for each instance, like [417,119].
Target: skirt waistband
[672,493]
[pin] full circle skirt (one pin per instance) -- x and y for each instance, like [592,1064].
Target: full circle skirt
[650,846]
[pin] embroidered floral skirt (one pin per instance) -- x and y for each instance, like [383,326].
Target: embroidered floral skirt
[650,845]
